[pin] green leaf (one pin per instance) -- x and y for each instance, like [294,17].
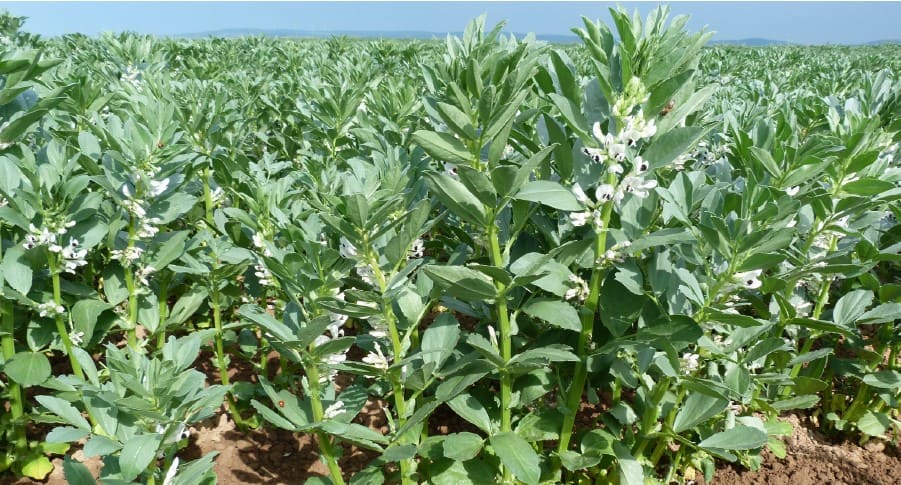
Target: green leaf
[518,456]
[874,424]
[737,438]
[697,409]
[37,467]
[851,306]
[573,461]
[798,402]
[462,446]
[885,313]
[272,416]
[462,282]
[765,159]
[868,186]
[631,472]
[884,379]
[15,270]
[457,198]
[28,368]
[554,312]
[472,410]
[76,473]
[551,194]
[442,147]
[66,434]
[440,339]
[65,410]
[137,454]
[668,146]
[85,313]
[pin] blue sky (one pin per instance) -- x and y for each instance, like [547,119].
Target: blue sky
[798,22]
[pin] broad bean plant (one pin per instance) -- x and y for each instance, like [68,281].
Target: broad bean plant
[619,261]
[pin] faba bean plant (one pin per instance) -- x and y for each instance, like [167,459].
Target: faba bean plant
[618,261]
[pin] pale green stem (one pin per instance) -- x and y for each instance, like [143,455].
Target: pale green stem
[574,396]
[325,443]
[60,324]
[16,404]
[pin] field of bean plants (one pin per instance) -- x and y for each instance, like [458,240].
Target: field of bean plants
[624,260]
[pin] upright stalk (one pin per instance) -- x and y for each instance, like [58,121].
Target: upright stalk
[400,402]
[16,404]
[503,317]
[325,444]
[574,396]
[131,331]
[60,324]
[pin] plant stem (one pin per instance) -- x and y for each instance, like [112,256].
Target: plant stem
[207,197]
[574,396]
[670,419]
[506,342]
[131,331]
[397,348]
[325,443]
[16,406]
[61,325]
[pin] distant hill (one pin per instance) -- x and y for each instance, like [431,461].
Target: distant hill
[363,34]
[752,42]
[427,35]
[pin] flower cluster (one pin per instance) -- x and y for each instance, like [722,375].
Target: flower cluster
[71,255]
[51,309]
[578,289]
[334,331]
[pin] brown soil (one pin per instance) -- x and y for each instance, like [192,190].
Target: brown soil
[814,460]
[275,456]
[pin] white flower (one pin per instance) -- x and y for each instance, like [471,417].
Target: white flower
[158,187]
[450,169]
[334,410]
[258,240]
[264,276]
[578,289]
[749,279]
[347,249]
[690,362]
[579,219]
[77,338]
[580,194]
[615,168]
[127,255]
[417,249]
[148,230]
[73,257]
[143,272]
[366,274]
[171,472]
[50,309]
[641,165]
[604,192]
[792,191]
[492,336]
[638,186]
[637,128]
[3,202]
[377,359]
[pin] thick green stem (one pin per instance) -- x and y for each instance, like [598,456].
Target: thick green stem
[220,353]
[506,341]
[400,400]
[207,198]
[649,418]
[670,419]
[61,325]
[504,330]
[131,331]
[325,443]
[574,396]
[16,406]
